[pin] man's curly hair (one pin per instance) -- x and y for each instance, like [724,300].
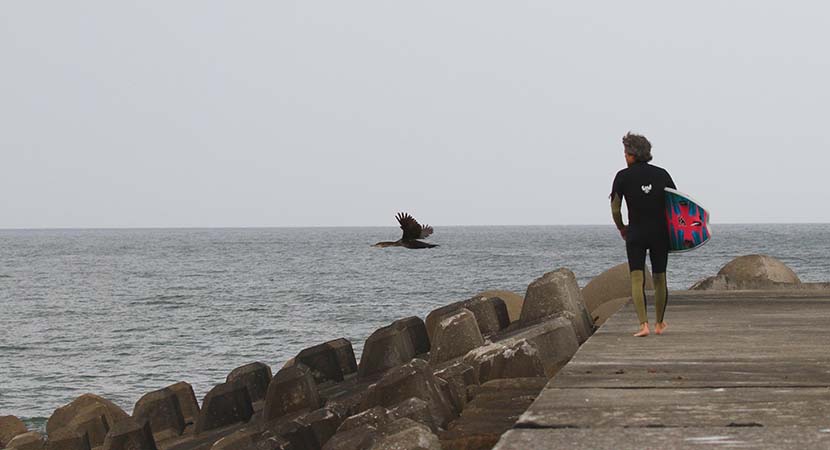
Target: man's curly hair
[638,146]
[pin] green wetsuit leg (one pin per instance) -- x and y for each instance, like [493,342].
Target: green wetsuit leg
[638,294]
[661,295]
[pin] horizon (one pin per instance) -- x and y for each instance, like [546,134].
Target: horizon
[266,227]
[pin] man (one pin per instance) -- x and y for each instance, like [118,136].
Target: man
[641,185]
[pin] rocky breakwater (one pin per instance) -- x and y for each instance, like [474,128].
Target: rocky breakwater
[456,380]
[609,291]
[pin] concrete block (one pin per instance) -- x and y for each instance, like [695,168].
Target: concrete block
[415,409]
[271,442]
[490,313]
[512,387]
[30,440]
[63,439]
[320,426]
[555,340]
[255,376]
[417,332]
[728,283]
[455,335]
[613,283]
[64,415]
[241,439]
[128,434]
[557,293]
[92,422]
[459,377]
[375,417]
[308,435]
[331,361]
[253,438]
[759,268]
[406,434]
[345,356]
[512,359]
[384,349]
[292,389]
[309,431]
[358,438]
[188,404]
[161,409]
[414,379]
[492,411]
[435,316]
[512,300]
[225,404]
[604,311]
[10,426]
[345,398]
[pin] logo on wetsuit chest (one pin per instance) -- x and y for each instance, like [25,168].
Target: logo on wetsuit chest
[646,188]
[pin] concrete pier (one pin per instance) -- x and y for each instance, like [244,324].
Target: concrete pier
[745,369]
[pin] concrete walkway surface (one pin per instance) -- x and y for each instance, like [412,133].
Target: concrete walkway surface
[734,370]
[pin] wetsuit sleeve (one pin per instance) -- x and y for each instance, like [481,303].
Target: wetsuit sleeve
[617,186]
[616,200]
[616,211]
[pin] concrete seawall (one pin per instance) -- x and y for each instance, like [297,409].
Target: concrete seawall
[456,380]
[737,369]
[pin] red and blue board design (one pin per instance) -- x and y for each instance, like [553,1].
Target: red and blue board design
[688,222]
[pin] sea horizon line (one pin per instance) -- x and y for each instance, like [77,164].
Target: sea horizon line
[276,227]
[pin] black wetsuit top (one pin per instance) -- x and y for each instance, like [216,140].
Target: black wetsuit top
[641,185]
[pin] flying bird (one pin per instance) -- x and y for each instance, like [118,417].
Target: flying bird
[412,231]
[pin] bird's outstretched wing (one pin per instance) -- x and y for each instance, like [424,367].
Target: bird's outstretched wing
[411,228]
[426,231]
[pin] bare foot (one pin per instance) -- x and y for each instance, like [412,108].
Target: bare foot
[660,327]
[643,331]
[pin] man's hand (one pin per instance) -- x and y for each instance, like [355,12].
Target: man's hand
[623,232]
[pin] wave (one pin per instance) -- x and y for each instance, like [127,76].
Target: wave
[163,300]
[14,348]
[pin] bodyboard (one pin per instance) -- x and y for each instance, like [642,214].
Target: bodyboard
[687,220]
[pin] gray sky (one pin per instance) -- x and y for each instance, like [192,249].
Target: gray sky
[294,113]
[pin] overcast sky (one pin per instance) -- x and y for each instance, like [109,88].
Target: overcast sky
[296,113]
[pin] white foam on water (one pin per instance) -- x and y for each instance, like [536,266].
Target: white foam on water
[720,440]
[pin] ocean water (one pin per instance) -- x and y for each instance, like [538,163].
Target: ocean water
[123,312]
